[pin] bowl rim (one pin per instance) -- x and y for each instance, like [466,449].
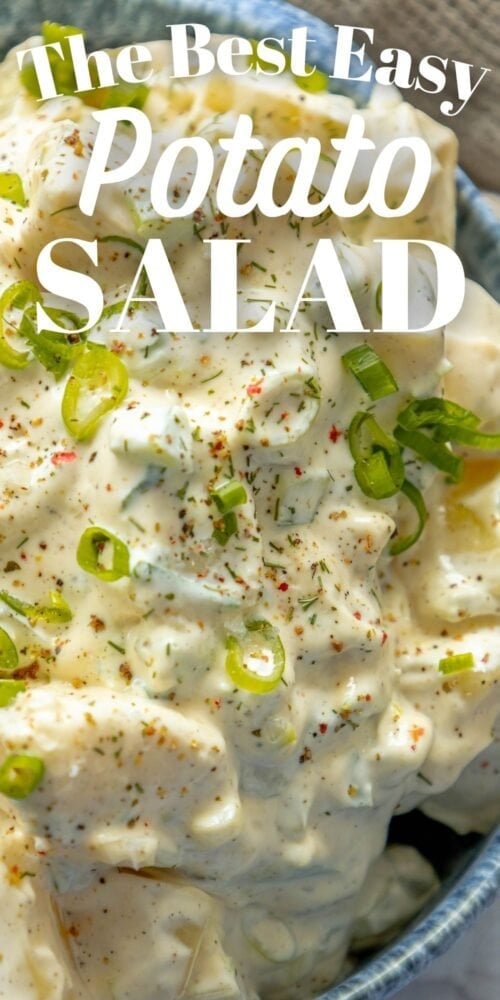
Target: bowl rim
[479,245]
[429,936]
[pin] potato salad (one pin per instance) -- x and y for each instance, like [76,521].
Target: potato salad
[250,590]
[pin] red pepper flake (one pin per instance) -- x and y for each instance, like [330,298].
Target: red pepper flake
[63,457]
[335,434]
[254,389]
[323,727]
[416,733]
[297,470]
[283,586]
[357,614]
[217,446]
[384,638]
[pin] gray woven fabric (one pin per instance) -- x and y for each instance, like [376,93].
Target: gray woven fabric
[468,30]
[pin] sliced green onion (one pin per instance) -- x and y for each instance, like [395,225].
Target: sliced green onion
[8,652]
[434,411]
[256,61]
[65,314]
[62,69]
[379,469]
[433,452]
[97,372]
[16,296]
[378,477]
[121,95]
[449,422]
[371,372]
[53,350]
[229,495]
[20,607]
[374,477]
[315,83]
[9,691]
[415,497]
[366,435]
[225,528]
[29,80]
[11,187]
[20,774]
[454,664]
[57,612]
[475,439]
[103,554]
[262,644]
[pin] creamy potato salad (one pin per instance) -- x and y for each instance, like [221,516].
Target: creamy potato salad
[250,587]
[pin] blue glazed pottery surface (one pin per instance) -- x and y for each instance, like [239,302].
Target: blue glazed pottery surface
[120,21]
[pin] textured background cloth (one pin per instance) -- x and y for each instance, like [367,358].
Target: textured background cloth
[468,30]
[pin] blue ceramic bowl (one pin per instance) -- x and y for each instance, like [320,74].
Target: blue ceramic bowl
[475,878]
